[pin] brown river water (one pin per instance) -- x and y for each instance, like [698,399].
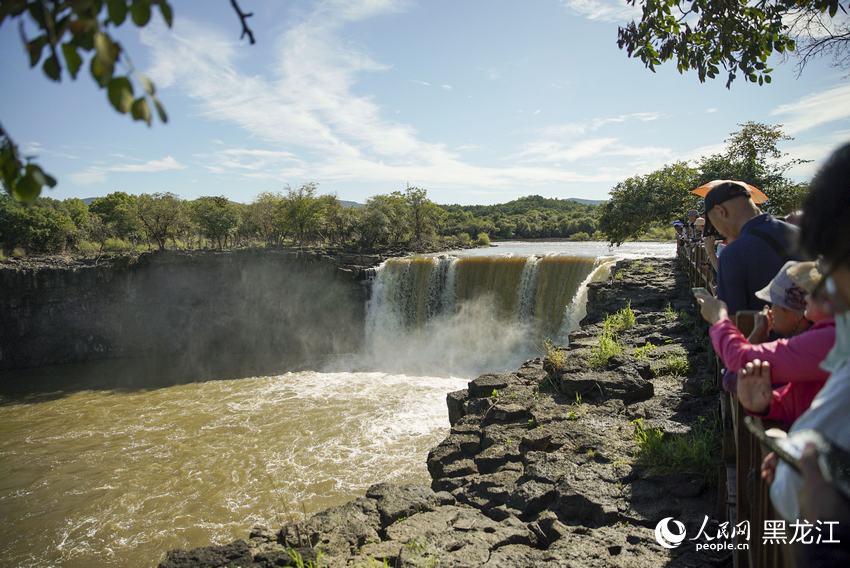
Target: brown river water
[103,478]
[117,476]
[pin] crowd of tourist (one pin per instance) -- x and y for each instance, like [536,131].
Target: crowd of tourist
[793,370]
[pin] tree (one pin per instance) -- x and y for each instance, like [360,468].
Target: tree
[117,213]
[394,208]
[161,214]
[37,226]
[752,155]
[705,35]
[642,202]
[83,29]
[216,218]
[303,212]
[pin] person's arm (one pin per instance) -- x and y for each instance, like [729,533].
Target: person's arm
[732,281]
[789,401]
[792,360]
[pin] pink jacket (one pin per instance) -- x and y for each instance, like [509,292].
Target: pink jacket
[795,361]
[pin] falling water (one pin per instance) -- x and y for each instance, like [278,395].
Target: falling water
[459,316]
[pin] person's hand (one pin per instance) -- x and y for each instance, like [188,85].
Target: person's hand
[712,309]
[761,331]
[754,389]
[768,467]
[819,499]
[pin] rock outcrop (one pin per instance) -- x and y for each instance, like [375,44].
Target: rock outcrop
[541,466]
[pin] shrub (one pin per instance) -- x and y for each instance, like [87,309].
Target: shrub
[580,236]
[463,239]
[677,365]
[483,240]
[18,252]
[117,245]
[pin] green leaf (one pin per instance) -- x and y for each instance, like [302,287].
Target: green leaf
[100,71]
[25,189]
[141,110]
[106,49]
[833,9]
[141,12]
[35,48]
[160,110]
[167,13]
[72,59]
[147,84]
[120,92]
[767,79]
[117,10]
[52,68]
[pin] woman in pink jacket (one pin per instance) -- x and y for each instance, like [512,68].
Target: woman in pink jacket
[794,361]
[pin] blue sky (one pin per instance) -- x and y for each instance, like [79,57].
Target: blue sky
[476,101]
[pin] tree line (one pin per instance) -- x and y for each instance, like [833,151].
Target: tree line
[651,202]
[402,220]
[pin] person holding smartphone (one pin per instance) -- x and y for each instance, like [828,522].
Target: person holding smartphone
[825,232]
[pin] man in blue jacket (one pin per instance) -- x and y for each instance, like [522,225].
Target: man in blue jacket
[760,245]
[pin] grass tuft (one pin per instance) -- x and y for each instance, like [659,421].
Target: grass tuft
[691,452]
[642,353]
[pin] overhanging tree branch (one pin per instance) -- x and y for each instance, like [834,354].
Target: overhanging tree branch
[243,17]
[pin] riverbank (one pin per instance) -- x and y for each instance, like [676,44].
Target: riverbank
[570,460]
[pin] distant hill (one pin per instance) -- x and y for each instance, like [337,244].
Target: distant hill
[351,204]
[523,205]
[88,200]
[587,201]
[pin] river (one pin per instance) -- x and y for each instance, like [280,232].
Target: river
[117,476]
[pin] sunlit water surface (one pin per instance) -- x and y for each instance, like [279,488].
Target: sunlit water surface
[112,478]
[116,477]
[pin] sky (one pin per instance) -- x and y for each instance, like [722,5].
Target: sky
[478,102]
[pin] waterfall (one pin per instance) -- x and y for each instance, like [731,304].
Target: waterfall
[469,314]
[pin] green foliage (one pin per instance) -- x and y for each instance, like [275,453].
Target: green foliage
[692,452]
[39,227]
[621,320]
[643,267]
[65,34]
[216,218]
[607,347]
[676,365]
[642,353]
[482,240]
[643,204]
[739,37]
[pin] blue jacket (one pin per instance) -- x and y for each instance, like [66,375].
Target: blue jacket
[751,261]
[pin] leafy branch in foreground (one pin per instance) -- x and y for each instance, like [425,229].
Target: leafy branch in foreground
[61,36]
[739,37]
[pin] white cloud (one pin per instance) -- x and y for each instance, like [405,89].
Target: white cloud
[307,106]
[97,174]
[165,164]
[815,109]
[604,10]
[711,110]
[573,129]
[555,152]
[88,176]
[446,87]
[423,83]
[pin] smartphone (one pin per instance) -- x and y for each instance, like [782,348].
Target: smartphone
[697,292]
[833,460]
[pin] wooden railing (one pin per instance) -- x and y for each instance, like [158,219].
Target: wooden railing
[742,495]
